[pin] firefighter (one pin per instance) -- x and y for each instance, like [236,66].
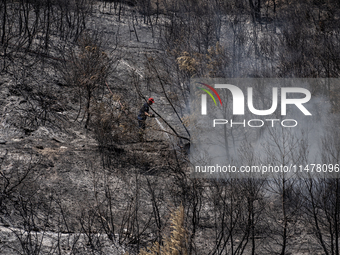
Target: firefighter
[143,114]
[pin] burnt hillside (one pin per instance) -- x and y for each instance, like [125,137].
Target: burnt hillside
[76,179]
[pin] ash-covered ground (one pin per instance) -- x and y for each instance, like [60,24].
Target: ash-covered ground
[77,179]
